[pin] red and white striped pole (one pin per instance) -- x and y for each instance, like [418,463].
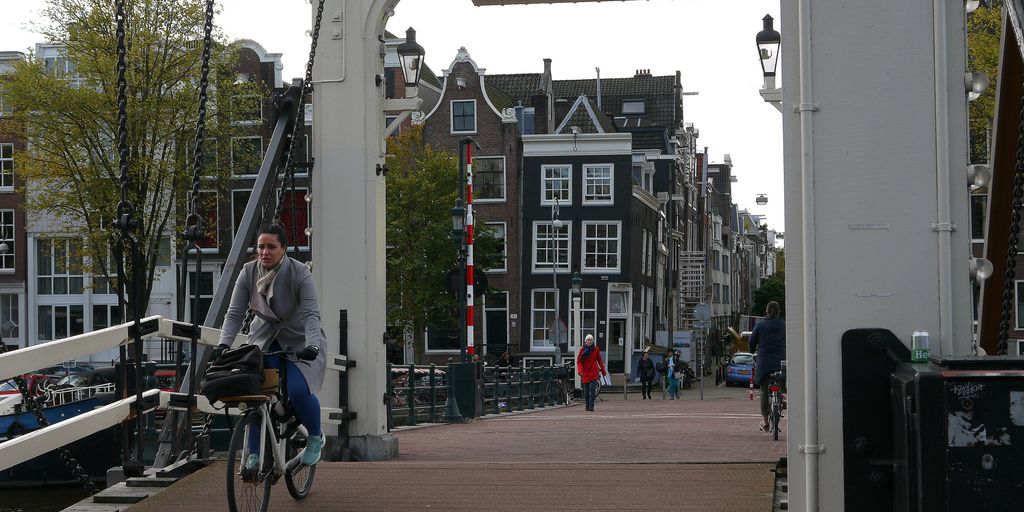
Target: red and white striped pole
[751,382]
[470,349]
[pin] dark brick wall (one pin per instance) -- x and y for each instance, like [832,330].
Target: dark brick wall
[495,139]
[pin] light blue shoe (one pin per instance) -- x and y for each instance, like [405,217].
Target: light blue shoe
[250,468]
[313,447]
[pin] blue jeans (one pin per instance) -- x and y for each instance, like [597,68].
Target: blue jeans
[305,404]
[673,386]
[589,393]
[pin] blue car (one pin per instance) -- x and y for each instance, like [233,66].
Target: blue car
[739,369]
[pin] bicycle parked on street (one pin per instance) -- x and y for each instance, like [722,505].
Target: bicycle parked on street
[282,441]
[562,387]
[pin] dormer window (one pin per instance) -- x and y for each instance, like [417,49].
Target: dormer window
[463,116]
[634,107]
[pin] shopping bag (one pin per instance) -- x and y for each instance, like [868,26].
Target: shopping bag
[605,380]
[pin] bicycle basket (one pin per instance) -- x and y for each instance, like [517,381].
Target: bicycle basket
[562,372]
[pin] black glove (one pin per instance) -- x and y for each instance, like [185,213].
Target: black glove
[217,352]
[309,353]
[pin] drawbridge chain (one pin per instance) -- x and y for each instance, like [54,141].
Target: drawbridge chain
[126,223]
[32,405]
[1011,251]
[194,226]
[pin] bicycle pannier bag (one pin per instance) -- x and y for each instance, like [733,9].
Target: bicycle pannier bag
[236,372]
[561,372]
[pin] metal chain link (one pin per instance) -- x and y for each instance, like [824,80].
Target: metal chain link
[32,405]
[1011,251]
[300,120]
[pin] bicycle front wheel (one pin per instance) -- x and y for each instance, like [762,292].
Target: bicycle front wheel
[249,487]
[597,388]
[300,478]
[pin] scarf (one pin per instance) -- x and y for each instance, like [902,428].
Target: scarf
[265,281]
[587,349]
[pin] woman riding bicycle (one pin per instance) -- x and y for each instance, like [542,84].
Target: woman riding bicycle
[281,293]
[768,343]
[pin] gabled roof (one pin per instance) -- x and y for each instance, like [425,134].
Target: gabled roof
[586,117]
[517,86]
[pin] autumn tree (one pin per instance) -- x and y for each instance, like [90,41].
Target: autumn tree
[984,27]
[422,184]
[67,113]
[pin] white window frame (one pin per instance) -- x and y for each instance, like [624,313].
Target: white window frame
[53,317]
[543,345]
[248,122]
[544,201]
[643,252]
[545,361]
[428,350]
[504,180]
[451,116]
[567,238]
[643,106]
[15,304]
[618,247]
[7,166]
[108,308]
[504,248]
[1019,323]
[587,198]
[245,176]
[216,221]
[68,276]
[8,260]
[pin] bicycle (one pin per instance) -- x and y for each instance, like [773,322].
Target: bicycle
[280,448]
[561,387]
[776,403]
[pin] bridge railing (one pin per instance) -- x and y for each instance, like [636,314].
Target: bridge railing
[418,393]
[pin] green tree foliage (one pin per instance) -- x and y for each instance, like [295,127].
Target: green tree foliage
[983,32]
[66,112]
[422,185]
[773,288]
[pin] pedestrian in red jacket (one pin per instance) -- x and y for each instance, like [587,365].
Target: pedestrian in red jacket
[590,366]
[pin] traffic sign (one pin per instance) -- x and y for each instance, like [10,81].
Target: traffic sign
[702,312]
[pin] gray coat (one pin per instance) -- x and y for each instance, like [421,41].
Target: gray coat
[296,307]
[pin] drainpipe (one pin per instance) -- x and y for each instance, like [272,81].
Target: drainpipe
[810,449]
[943,224]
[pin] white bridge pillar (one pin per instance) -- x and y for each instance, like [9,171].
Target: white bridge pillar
[348,211]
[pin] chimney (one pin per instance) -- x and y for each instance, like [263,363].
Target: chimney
[561,109]
[642,73]
[549,92]
[598,88]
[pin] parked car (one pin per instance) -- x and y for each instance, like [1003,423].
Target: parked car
[739,369]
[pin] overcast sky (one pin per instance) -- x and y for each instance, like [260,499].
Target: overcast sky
[710,41]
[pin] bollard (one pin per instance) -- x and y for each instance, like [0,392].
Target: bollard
[530,387]
[751,384]
[497,390]
[625,383]
[410,395]
[432,417]
[451,406]
[390,386]
[520,405]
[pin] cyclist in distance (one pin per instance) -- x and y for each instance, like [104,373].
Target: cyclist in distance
[590,367]
[281,294]
[768,343]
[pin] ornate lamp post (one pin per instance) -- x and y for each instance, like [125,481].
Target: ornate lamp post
[577,319]
[458,213]
[410,56]
[555,334]
[769,43]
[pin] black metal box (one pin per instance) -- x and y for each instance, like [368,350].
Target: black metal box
[958,435]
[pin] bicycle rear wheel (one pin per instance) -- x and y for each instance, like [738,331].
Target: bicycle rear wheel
[597,388]
[776,415]
[300,478]
[248,491]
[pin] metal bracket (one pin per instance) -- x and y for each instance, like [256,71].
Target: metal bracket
[333,416]
[812,448]
[180,401]
[340,363]
[944,226]
[145,327]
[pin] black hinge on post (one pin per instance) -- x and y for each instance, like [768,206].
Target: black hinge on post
[343,379]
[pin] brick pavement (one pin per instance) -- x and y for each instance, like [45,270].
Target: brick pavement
[686,455]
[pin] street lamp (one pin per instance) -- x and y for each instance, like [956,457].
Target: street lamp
[762,199]
[410,56]
[458,213]
[577,319]
[554,333]
[769,44]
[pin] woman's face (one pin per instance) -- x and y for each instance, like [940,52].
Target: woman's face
[269,250]
[588,341]
[645,355]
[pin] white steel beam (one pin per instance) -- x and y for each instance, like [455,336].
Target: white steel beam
[31,445]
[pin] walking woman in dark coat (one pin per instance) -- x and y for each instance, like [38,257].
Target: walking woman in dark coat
[768,343]
[645,370]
